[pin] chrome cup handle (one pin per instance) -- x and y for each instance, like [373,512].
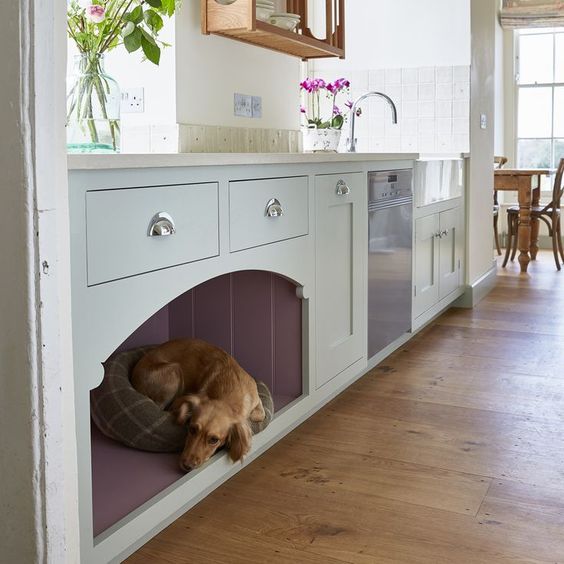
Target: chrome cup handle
[342,188]
[161,225]
[273,208]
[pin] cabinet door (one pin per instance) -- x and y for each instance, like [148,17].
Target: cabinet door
[426,291]
[341,248]
[451,240]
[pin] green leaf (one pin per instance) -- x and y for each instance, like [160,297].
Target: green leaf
[133,41]
[153,20]
[154,3]
[152,51]
[168,7]
[337,122]
[135,16]
[128,29]
[148,36]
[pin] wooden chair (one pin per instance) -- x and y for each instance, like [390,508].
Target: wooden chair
[550,214]
[498,163]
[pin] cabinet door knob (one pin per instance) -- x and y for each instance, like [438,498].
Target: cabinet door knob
[438,235]
[342,188]
[273,208]
[444,233]
[161,225]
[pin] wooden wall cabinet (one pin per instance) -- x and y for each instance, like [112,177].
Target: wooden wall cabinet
[238,21]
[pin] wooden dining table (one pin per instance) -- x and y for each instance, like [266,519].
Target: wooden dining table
[526,182]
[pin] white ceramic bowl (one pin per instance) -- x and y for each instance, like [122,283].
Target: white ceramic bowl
[285,21]
[263,14]
[265,4]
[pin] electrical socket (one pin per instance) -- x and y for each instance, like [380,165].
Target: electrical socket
[256,103]
[133,101]
[242,105]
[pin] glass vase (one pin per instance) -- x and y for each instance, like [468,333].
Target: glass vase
[93,107]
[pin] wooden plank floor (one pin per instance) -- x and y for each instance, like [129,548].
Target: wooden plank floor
[451,451]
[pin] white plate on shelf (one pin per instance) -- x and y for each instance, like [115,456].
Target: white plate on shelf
[285,21]
[263,14]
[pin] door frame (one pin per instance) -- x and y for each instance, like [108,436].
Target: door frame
[36,397]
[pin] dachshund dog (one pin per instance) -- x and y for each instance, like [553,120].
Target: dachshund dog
[201,383]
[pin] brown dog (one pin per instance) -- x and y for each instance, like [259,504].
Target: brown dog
[203,383]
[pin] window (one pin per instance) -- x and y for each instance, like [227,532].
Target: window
[540,90]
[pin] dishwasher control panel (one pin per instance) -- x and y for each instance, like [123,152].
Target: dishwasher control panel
[390,185]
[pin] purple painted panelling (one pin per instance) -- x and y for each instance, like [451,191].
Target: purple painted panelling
[124,478]
[252,324]
[212,312]
[180,316]
[287,325]
[154,331]
[253,315]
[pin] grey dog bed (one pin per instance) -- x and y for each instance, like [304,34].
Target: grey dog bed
[131,418]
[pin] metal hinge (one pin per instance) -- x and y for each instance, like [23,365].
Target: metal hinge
[414,291]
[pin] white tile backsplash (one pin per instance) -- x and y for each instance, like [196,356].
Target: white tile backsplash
[444,91]
[393,76]
[409,92]
[460,109]
[426,92]
[409,76]
[409,110]
[461,74]
[444,74]
[377,79]
[443,109]
[426,75]
[461,91]
[433,109]
[427,109]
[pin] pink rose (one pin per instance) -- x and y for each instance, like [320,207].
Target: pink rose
[95,13]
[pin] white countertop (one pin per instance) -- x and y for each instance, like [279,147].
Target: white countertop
[153,160]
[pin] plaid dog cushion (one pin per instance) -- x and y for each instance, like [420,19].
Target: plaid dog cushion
[131,418]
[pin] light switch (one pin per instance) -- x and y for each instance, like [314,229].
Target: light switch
[483,121]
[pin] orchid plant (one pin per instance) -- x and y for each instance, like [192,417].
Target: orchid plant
[317,92]
[98,26]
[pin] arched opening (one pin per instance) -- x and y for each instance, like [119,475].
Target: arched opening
[256,317]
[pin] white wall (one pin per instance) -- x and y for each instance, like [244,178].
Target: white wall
[210,69]
[387,34]
[479,251]
[158,82]
[418,53]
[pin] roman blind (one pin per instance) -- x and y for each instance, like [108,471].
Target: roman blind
[519,14]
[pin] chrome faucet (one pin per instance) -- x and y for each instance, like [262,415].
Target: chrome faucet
[351,141]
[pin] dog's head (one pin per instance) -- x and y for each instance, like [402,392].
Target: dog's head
[211,425]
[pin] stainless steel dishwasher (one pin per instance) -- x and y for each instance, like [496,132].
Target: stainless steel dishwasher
[390,241]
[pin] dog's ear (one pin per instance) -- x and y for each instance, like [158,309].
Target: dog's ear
[184,407]
[239,441]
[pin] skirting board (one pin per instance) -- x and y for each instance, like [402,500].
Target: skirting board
[477,291]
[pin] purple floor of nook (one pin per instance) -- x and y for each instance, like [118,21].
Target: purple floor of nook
[255,316]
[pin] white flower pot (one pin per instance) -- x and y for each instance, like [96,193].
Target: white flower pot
[326,140]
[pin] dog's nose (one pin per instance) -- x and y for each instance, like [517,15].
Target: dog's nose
[185,466]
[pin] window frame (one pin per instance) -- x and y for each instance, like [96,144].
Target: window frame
[552,85]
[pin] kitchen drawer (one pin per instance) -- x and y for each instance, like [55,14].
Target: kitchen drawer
[249,222]
[118,224]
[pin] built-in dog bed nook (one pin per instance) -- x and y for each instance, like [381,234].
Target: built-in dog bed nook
[253,315]
[125,415]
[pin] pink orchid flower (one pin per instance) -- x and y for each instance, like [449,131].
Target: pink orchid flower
[95,13]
